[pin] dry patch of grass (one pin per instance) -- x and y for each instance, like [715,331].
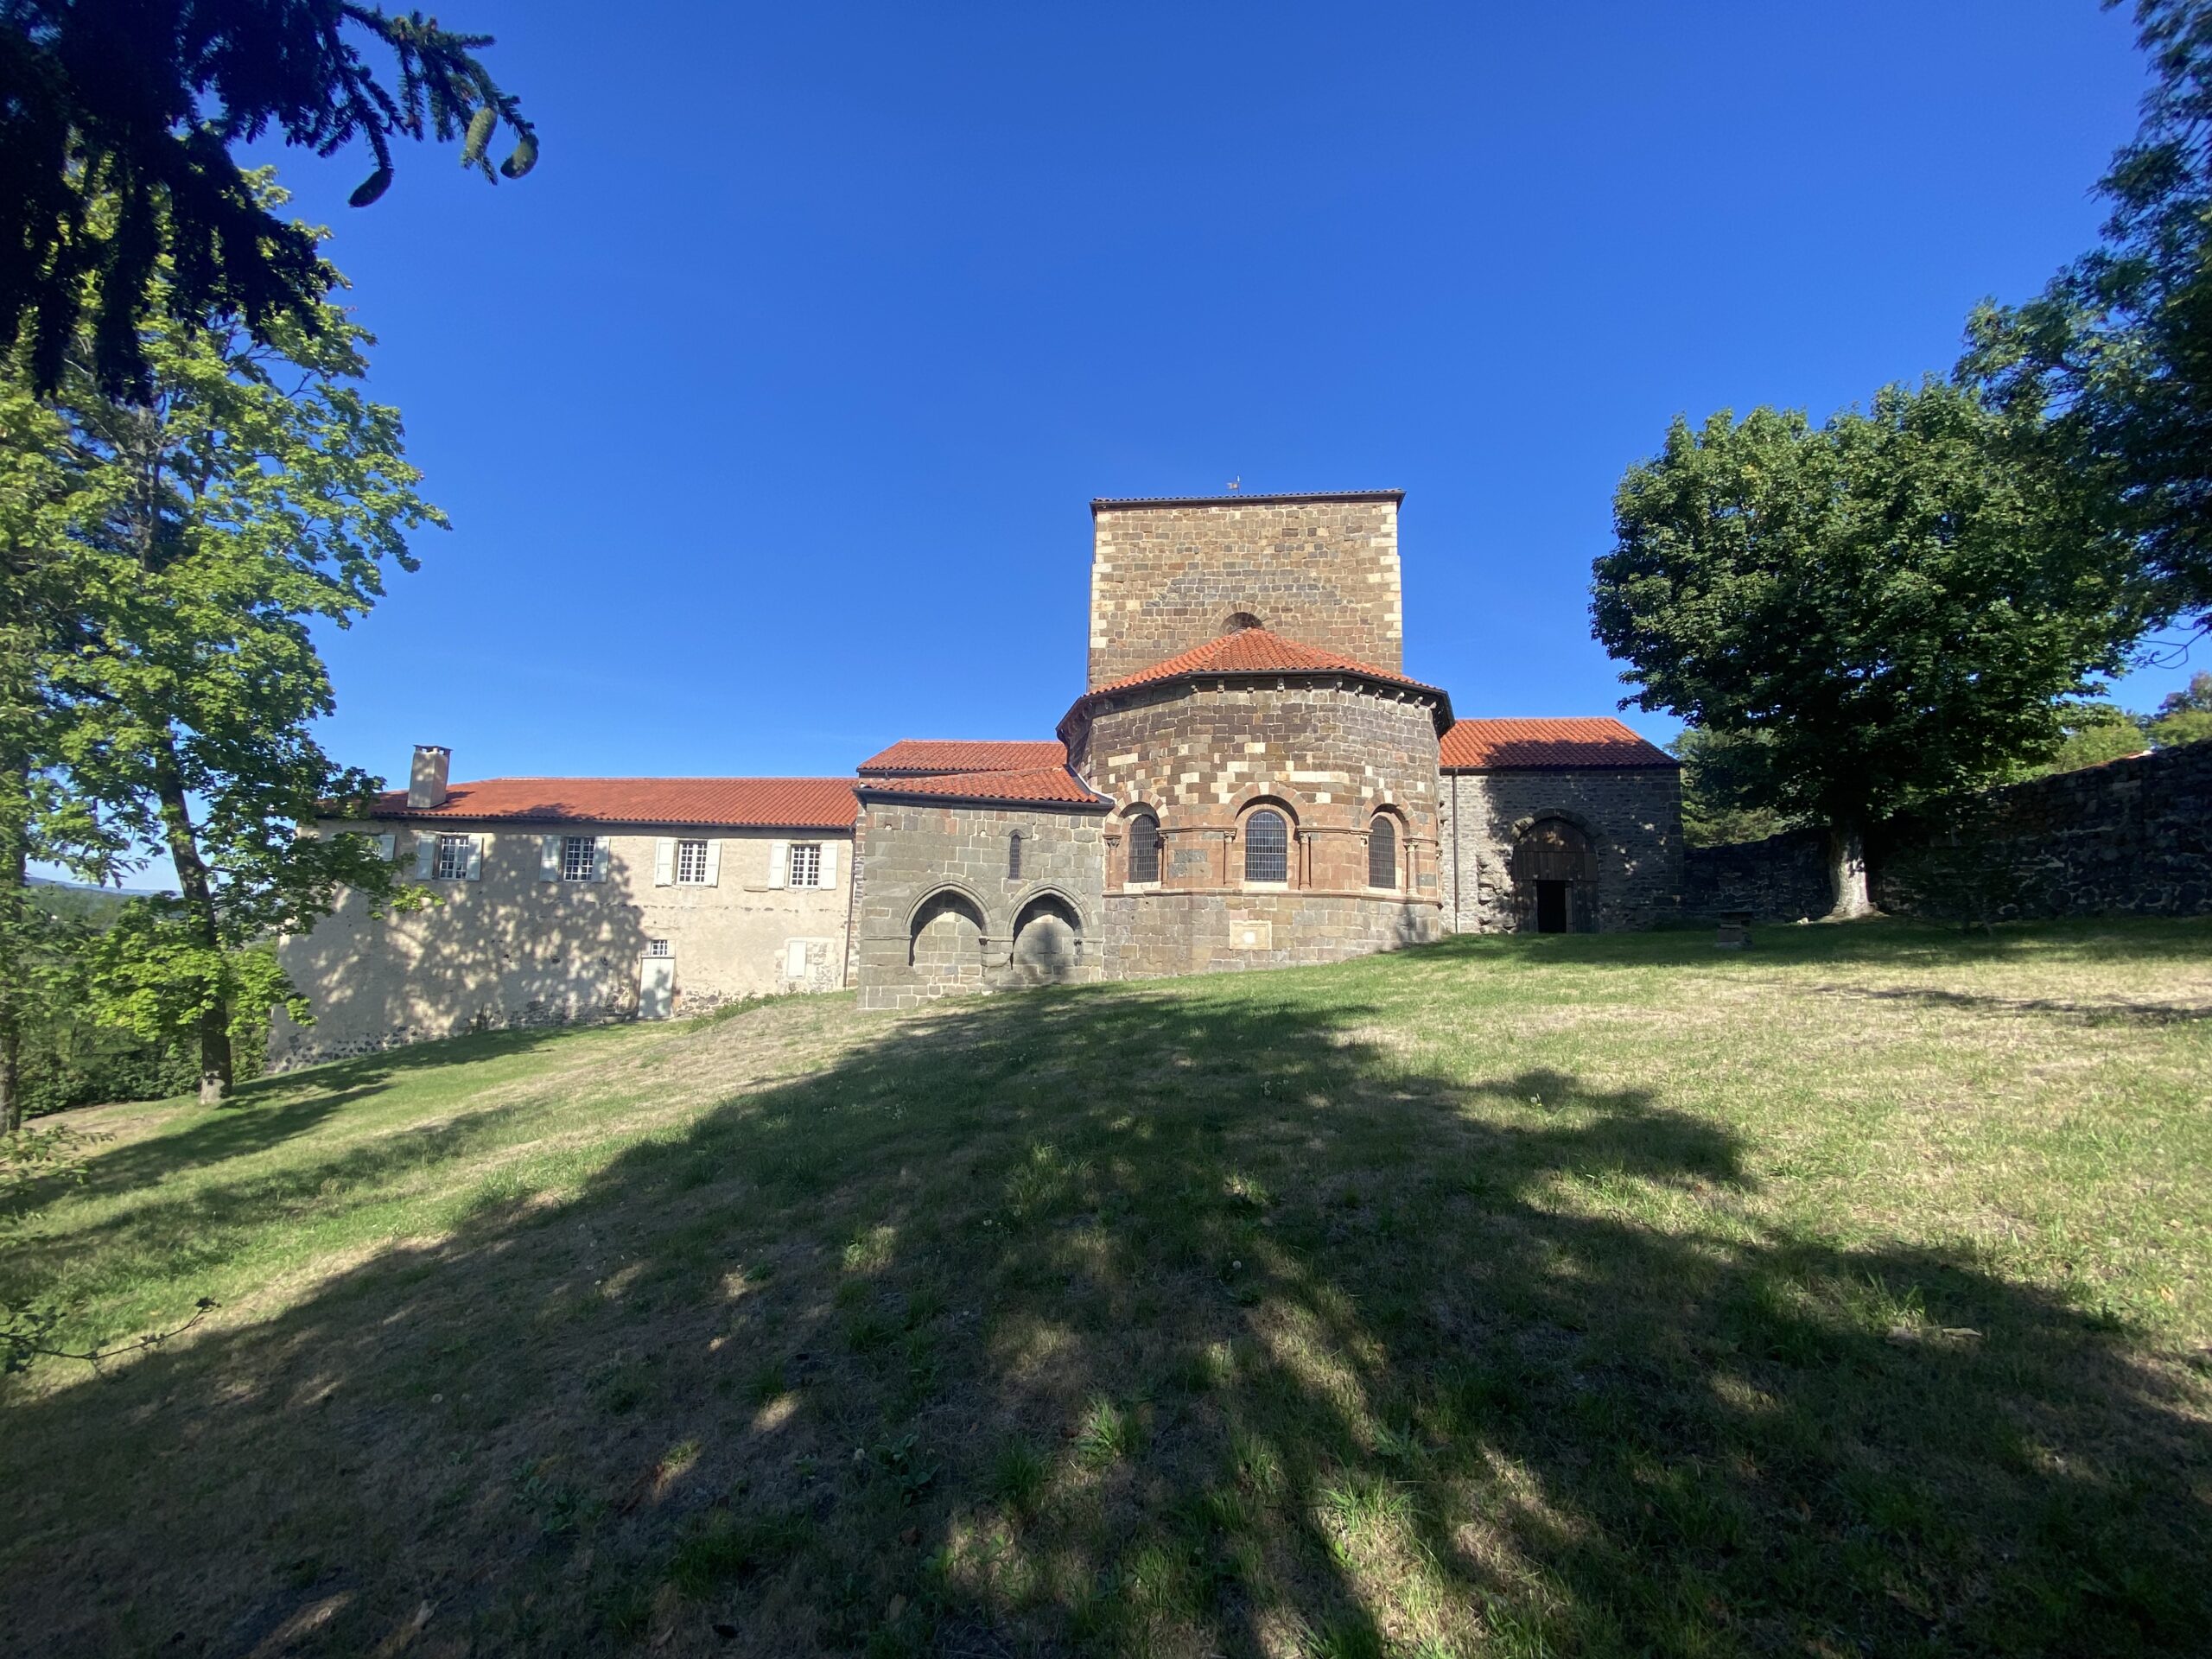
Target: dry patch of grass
[1512,1296]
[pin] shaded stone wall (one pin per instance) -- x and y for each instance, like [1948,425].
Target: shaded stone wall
[1201,757]
[2129,838]
[1322,570]
[1632,817]
[938,914]
[1782,879]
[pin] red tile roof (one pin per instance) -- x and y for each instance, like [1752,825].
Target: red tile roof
[1546,745]
[1036,786]
[738,803]
[920,755]
[1255,650]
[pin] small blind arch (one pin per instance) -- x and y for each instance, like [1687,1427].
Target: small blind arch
[1266,847]
[1144,848]
[1382,852]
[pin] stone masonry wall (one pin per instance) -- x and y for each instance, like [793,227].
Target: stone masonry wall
[1782,879]
[2129,838]
[1632,816]
[1322,570]
[1200,758]
[938,913]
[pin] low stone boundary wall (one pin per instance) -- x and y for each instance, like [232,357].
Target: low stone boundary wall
[2130,837]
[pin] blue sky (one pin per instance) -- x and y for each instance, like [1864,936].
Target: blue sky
[768,408]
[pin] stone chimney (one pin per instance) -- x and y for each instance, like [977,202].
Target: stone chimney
[426,779]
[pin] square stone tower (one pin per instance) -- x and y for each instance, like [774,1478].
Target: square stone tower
[1171,574]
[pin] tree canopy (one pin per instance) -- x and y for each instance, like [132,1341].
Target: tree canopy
[188,543]
[117,125]
[1867,613]
[2116,353]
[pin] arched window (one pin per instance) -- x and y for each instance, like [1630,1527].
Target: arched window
[1144,848]
[1237,621]
[1382,852]
[1013,856]
[1266,847]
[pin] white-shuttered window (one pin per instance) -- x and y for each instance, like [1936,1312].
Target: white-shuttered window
[577,856]
[692,864]
[453,858]
[805,866]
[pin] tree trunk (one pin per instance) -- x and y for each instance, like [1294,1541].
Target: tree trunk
[199,896]
[1848,871]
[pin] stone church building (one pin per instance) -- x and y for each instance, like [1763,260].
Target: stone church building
[1250,778]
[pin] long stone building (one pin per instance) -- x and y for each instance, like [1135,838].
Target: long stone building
[1250,778]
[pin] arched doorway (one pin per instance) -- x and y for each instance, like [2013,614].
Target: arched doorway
[1047,941]
[1556,877]
[945,944]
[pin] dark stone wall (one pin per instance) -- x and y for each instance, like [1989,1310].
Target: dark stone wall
[1782,879]
[2128,838]
[1633,817]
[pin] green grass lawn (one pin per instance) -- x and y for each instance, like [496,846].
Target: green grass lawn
[1523,1296]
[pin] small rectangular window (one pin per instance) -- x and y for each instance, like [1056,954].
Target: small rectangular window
[806,864]
[690,863]
[659,948]
[576,857]
[453,859]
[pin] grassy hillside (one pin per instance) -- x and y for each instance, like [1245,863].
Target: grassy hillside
[1511,1296]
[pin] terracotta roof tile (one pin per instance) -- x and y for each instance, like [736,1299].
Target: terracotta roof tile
[737,803]
[1037,786]
[1546,745]
[1256,651]
[915,756]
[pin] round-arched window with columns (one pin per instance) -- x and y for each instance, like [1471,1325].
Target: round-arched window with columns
[1382,852]
[1266,847]
[1144,848]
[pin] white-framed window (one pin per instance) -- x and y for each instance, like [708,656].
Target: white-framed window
[690,863]
[659,948]
[577,853]
[805,866]
[452,863]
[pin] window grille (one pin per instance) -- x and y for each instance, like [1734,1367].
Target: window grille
[1266,847]
[805,868]
[659,948]
[1013,856]
[690,863]
[1144,848]
[1382,853]
[453,859]
[576,855]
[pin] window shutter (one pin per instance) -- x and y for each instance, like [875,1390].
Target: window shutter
[548,865]
[664,861]
[795,959]
[476,857]
[601,848]
[426,853]
[714,863]
[828,864]
[387,845]
[779,860]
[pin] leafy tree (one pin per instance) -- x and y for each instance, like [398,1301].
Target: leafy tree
[256,492]
[2116,353]
[2092,734]
[117,188]
[1715,787]
[2184,716]
[1868,613]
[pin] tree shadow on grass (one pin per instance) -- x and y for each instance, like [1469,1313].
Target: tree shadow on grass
[1134,1321]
